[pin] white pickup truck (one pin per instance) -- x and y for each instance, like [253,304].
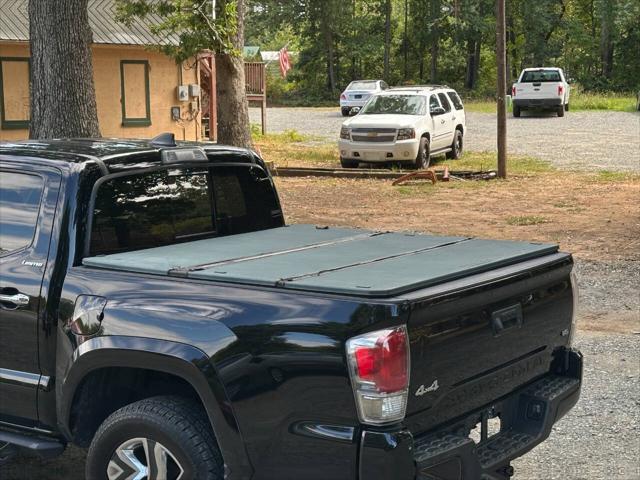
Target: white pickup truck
[541,88]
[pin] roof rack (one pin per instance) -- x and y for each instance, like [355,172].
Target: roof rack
[419,87]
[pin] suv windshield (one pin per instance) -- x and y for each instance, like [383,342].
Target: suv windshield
[396,104]
[362,86]
[175,205]
[536,76]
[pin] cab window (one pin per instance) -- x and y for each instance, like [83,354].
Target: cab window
[20,196]
[445,102]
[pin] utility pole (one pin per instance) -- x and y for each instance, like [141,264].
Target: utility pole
[406,38]
[501,61]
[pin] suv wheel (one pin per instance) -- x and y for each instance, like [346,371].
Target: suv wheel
[516,111]
[349,163]
[424,154]
[156,438]
[561,111]
[345,111]
[456,146]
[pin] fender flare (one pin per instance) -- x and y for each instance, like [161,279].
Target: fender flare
[182,360]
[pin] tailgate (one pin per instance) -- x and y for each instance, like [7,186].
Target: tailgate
[537,90]
[358,95]
[470,348]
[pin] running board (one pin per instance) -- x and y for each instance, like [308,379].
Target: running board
[441,151]
[43,447]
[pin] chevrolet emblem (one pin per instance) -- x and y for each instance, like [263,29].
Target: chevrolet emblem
[372,134]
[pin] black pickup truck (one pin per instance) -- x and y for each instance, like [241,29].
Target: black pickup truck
[155,308]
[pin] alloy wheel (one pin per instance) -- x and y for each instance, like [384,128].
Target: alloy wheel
[143,459]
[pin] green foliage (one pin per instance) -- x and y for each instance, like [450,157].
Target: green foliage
[190,20]
[525,220]
[447,41]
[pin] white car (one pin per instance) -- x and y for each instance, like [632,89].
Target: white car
[541,88]
[358,92]
[408,125]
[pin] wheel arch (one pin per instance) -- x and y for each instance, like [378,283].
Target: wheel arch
[189,370]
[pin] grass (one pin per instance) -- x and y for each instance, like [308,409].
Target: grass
[291,148]
[620,102]
[525,220]
[611,176]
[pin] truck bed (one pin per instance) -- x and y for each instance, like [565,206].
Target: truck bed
[330,260]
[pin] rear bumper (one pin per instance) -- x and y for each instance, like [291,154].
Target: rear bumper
[537,102]
[352,103]
[527,417]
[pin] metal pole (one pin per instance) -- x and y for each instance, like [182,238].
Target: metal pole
[502,87]
[406,40]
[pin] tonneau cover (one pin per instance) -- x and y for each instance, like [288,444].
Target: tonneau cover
[334,260]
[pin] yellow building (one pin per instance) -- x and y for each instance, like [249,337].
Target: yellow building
[136,87]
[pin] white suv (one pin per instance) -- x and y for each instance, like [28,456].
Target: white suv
[358,92]
[405,124]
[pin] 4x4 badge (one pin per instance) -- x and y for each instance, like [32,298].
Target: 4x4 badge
[431,388]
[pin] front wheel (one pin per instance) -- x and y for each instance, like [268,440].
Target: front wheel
[456,146]
[516,111]
[163,437]
[561,111]
[424,154]
[566,107]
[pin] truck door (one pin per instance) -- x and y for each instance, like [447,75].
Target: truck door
[449,118]
[27,201]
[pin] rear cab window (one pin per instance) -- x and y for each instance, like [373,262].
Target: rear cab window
[20,198]
[174,205]
[539,76]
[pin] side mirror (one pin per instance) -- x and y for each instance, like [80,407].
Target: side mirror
[354,111]
[437,111]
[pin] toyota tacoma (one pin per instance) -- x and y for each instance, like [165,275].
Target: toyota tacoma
[156,309]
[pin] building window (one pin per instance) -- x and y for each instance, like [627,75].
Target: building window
[134,93]
[14,92]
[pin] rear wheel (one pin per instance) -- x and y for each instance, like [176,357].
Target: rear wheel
[456,146]
[516,111]
[345,111]
[348,163]
[163,437]
[424,154]
[561,111]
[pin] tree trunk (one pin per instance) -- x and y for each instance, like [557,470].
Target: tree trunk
[233,108]
[473,63]
[387,38]
[63,100]
[606,38]
[435,50]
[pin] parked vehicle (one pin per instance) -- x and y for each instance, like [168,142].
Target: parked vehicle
[155,308]
[541,88]
[405,125]
[358,92]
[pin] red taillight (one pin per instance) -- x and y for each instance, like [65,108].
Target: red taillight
[343,96]
[379,368]
[560,89]
[385,363]
[513,91]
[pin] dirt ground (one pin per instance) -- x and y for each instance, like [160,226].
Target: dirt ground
[592,219]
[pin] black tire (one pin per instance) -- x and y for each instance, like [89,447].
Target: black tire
[456,146]
[349,163]
[566,107]
[424,155]
[345,111]
[173,426]
[516,111]
[561,111]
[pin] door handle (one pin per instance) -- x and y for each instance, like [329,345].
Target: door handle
[17,299]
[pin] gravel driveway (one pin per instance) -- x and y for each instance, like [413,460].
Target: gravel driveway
[592,140]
